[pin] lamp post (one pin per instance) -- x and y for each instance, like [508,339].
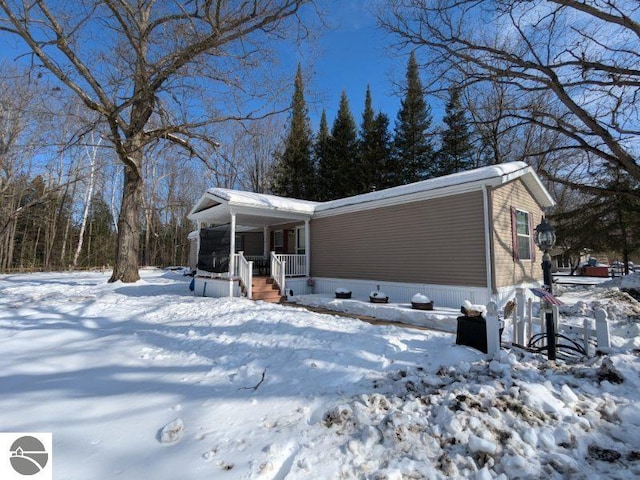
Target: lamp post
[545,239]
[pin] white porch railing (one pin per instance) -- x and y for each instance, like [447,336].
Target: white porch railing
[278,269]
[244,270]
[296,265]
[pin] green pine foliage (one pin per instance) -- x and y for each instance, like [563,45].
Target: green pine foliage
[321,148]
[456,151]
[338,170]
[374,149]
[413,149]
[293,174]
[605,223]
[381,153]
[99,241]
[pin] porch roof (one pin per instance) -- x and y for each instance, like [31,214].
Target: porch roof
[252,209]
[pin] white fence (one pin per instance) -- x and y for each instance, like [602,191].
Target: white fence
[524,324]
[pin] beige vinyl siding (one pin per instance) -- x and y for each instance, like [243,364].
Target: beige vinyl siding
[507,271]
[438,241]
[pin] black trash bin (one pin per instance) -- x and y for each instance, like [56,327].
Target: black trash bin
[472,332]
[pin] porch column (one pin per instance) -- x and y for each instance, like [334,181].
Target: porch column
[265,242]
[307,247]
[232,246]
[198,244]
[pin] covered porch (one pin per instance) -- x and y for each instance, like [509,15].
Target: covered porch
[243,238]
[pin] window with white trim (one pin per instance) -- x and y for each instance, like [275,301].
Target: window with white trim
[523,234]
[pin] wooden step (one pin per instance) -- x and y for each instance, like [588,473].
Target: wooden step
[264,288]
[272,296]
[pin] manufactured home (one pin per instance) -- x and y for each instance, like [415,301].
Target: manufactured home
[466,236]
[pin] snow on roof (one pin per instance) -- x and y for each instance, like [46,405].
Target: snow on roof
[262,200]
[450,184]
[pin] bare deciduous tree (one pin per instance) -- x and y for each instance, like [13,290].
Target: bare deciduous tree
[572,67]
[160,71]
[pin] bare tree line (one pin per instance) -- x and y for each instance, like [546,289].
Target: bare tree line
[162,73]
[60,184]
[568,68]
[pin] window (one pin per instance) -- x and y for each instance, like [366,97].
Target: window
[278,241]
[523,235]
[300,240]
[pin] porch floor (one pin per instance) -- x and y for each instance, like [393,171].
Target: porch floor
[442,319]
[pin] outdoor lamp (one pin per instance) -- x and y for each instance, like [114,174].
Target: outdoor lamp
[545,237]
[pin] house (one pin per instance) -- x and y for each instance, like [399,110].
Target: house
[466,236]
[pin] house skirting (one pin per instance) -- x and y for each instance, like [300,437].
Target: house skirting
[508,293]
[297,286]
[451,296]
[443,295]
[216,287]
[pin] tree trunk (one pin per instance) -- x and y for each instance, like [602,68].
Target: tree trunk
[67,228]
[128,245]
[87,204]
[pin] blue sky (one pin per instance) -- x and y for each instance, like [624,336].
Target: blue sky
[352,54]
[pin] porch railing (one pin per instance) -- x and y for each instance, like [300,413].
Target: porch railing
[278,269]
[244,270]
[296,264]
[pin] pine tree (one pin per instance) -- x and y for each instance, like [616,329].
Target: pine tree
[293,174]
[381,153]
[374,149]
[339,171]
[413,149]
[366,163]
[456,152]
[321,148]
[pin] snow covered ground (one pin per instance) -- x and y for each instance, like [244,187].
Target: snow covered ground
[146,381]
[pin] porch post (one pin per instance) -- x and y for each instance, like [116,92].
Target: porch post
[198,244]
[307,247]
[265,242]
[232,246]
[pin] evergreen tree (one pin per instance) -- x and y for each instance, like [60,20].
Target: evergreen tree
[366,163]
[339,171]
[381,153]
[413,149]
[98,249]
[374,149]
[293,174]
[605,223]
[321,157]
[456,152]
